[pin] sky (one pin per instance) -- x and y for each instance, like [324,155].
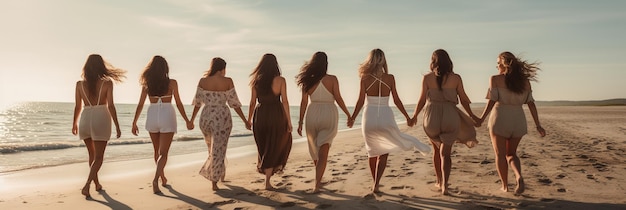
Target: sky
[44,44]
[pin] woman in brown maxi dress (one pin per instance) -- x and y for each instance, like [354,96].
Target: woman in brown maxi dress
[270,118]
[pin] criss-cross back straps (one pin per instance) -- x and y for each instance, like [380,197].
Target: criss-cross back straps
[380,83]
[82,86]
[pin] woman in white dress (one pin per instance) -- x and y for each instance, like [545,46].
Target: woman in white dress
[381,133]
[321,115]
[216,92]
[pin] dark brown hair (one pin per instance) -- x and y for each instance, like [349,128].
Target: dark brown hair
[312,71]
[264,73]
[217,64]
[155,77]
[517,71]
[441,65]
[97,69]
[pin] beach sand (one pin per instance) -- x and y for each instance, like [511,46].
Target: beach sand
[579,165]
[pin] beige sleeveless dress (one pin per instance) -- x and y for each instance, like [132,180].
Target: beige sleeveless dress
[445,122]
[321,119]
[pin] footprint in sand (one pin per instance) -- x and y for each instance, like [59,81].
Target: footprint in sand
[545,181]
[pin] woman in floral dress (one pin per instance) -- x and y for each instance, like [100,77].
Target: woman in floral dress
[215,91]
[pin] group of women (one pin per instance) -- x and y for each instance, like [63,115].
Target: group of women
[270,121]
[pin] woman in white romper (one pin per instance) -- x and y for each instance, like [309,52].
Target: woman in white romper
[161,119]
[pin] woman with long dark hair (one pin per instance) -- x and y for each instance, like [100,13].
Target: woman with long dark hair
[270,119]
[322,118]
[444,123]
[508,91]
[161,117]
[95,93]
[216,93]
[380,130]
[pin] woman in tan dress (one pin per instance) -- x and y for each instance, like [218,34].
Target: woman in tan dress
[444,122]
[215,91]
[322,117]
[270,118]
[508,91]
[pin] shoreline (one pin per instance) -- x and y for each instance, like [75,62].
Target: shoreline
[577,166]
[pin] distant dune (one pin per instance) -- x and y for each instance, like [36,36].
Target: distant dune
[608,102]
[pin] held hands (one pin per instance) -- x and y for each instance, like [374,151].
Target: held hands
[350,122]
[248,125]
[190,125]
[477,121]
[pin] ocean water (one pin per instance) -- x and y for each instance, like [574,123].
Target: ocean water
[39,134]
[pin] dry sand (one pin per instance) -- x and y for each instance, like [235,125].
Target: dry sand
[579,165]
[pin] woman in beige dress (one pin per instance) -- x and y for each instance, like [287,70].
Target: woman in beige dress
[321,119]
[444,123]
[508,91]
[95,93]
[216,93]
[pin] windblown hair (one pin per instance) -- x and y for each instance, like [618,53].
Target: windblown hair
[155,77]
[97,69]
[517,71]
[217,64]
[441,65]
[264,74]
[375,64]
[312,71]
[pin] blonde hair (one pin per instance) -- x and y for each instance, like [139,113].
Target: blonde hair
[375,63]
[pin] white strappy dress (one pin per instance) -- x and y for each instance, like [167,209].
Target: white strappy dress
[95,120]
[380,130]
[321,121]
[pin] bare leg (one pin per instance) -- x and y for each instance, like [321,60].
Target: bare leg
[320,166]
[99,148]
[499,147]
[156,145]
[515,163]
[437,162]
[372,164]
[91,151]
[215,187]
[165,140]
[268,175]
[380,169]
[446,165]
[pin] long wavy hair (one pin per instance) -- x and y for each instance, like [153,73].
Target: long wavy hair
[312,71]
[155,78]
[217,64]
[441,65]
[264,73]
[97,69]
[375,64]
[517,71]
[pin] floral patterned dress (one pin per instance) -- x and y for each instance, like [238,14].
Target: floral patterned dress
[216,124]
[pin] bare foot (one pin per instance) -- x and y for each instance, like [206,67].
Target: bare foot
[375,189]
[215,187]
[504,189]
[85,192]
[98,187]
[155,187]
[444,190]
[269,187]
[164,181]
[315,191]
[520,187]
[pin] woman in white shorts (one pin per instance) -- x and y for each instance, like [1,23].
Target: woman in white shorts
[161,119]
[94,96]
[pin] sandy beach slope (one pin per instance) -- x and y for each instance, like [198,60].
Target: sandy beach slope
[579,165]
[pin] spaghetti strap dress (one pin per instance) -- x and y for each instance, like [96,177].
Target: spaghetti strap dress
[380,130]
[445,122]
[95,120]
[270,133]
[321,120]
[216,124]
[507,118]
